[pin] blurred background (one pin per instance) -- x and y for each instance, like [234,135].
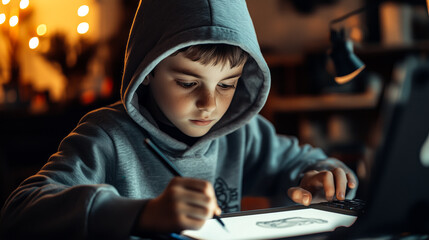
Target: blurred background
[61,59]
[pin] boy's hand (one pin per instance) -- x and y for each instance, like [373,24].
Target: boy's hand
[330,183]
[186,203]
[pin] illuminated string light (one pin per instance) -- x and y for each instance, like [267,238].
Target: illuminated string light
[13,21]
[42,29]
[2,18]
[33,43]
[24,4]
[83,11]
[83,28]
[5,2]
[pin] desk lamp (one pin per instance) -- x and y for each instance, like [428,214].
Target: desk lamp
[347,64]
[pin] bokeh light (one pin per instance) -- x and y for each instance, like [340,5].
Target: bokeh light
[24,4]
[42,29]
[83,28]
[33,43]
[2,18]
[13,21]
[5,2]
[83,11]
[356,34]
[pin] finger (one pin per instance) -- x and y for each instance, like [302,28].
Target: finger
[197,185]
[197,192]
[185,222]
[311,181]
[197,212]
[340,183]
[194,198]
[218,210]
[300,195]
[351,180]
[328,184]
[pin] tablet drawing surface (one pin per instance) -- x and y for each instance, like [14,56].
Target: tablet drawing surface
[289,222]
[273,225]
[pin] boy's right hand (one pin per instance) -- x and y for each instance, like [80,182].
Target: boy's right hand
[186,203]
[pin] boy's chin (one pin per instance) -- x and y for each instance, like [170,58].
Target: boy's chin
[195,134]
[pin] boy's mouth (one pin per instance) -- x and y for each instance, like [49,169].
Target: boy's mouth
[201,122]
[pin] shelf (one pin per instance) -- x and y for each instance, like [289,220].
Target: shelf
[325,102]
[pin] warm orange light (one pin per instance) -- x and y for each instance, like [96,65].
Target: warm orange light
[83,11]
[24,4]
[106,87]
[2,18]
[356,34]
[13,21]
[348,77]
[42,29]
[33,43]
[427,4]
[88,97]
[5,2]
[83,28]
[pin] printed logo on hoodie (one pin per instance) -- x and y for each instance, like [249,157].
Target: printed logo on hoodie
[227,198]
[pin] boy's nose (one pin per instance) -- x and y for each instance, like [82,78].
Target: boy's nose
[206,101]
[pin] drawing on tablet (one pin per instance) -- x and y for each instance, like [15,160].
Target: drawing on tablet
[290,222]
[270,225]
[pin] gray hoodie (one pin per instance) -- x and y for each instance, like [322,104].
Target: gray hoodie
[103,174]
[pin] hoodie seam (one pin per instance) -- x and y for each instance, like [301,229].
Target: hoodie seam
[211,12]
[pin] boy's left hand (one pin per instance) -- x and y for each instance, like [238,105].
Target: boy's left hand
[330,183]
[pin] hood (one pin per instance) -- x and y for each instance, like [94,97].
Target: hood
[162,27]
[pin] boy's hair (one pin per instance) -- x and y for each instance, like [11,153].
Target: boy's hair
[215,54]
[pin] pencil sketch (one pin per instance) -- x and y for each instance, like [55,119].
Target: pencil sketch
[290,222]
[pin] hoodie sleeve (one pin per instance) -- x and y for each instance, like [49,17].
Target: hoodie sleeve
[275,162]
[68,197]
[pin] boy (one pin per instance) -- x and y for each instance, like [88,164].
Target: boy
[194,82]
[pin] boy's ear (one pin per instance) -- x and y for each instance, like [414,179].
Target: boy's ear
[147,79]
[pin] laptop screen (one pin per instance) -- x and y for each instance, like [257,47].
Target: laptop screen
[398,197]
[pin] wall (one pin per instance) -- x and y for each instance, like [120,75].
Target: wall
[281,28]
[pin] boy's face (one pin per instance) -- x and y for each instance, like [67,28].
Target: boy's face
[193,96]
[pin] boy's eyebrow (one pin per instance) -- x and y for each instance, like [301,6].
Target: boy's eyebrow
[186,72]
[233,76]
[193,74]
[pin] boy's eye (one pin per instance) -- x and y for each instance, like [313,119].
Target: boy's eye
[226,86]
[186,84]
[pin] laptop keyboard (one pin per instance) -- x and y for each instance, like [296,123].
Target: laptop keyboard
[348,206]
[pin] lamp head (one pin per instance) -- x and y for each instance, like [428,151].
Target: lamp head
[347,64]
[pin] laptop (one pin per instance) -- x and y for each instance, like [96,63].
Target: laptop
[398,194]
[397,198]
